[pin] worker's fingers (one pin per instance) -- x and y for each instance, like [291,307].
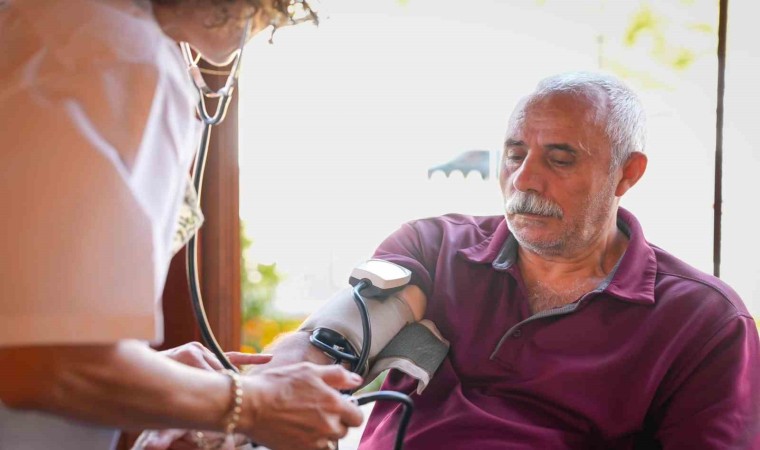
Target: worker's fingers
[244,359]
[194,354]
[338,377]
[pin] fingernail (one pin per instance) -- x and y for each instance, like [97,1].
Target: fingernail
[265,354]
[356,378]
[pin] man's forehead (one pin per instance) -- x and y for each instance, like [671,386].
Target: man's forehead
[558,112]
[559,120]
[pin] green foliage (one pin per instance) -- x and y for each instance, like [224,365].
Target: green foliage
[704,28]
[646,22]
[258,283]
[645,79]
[682,58]
[665,29]
[375,384]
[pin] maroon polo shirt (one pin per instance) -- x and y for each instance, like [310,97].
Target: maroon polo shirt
[659,354]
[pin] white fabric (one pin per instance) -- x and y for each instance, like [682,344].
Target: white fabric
[36,431]
[387,316]
[97,132]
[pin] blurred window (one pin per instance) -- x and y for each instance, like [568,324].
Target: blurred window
[340,124]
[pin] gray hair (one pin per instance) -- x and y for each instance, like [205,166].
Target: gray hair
[626,121]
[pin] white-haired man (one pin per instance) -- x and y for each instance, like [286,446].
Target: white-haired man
[567,329]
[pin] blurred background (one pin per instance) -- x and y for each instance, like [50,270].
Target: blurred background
[350,117]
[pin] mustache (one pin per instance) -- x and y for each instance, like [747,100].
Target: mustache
[531,203]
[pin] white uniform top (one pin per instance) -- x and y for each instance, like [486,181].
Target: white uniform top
[97,133]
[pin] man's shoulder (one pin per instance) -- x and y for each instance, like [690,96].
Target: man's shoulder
[685,282]
[450,231]
[460,222]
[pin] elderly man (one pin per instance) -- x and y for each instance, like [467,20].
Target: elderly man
[567,329]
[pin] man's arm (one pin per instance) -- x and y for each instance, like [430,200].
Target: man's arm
[127,385]
[717,405]
[295,347]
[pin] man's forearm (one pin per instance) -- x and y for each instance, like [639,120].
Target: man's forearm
[295,347]
[292,348]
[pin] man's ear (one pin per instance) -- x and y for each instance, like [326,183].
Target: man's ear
[633,169]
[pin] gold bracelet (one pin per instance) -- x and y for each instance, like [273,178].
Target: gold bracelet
[233,417]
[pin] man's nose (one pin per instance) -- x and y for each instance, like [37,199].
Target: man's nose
[530,175]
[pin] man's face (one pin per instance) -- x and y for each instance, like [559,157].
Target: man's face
[555,174]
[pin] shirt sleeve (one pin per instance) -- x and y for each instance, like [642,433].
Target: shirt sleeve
[717,405]
[77,264]
[405,248]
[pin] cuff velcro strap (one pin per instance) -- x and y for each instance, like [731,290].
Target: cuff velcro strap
[417,350]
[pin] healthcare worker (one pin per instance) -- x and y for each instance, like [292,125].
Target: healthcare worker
[98,131]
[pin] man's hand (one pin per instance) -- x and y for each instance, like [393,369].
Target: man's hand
[194,354]
[299,406]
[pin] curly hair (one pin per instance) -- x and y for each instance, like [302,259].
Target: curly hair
[279,10]
[221,9]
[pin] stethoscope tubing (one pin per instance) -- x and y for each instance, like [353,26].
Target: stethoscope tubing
[223,97]
[191,260]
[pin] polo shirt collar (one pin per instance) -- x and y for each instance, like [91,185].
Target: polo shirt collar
[632,279]
[489,249]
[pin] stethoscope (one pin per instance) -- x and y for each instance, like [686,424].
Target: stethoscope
[223,96]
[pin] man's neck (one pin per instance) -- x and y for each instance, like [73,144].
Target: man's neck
[556,280]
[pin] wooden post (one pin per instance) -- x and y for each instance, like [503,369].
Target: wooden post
[220,253]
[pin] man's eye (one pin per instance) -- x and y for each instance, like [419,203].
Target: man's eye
[561,162]
[514,157]
[559,158]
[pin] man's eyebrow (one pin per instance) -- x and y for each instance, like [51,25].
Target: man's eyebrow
[509,143]
[564,147]
[513,143]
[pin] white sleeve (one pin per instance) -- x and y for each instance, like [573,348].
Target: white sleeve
[86,221]
[76,263]
[97,132]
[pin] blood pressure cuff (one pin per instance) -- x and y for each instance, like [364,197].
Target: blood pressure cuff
[398,342]
[417,350]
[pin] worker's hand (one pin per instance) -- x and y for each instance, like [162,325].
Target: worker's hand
[291,407]
[194,354]
[299,406]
